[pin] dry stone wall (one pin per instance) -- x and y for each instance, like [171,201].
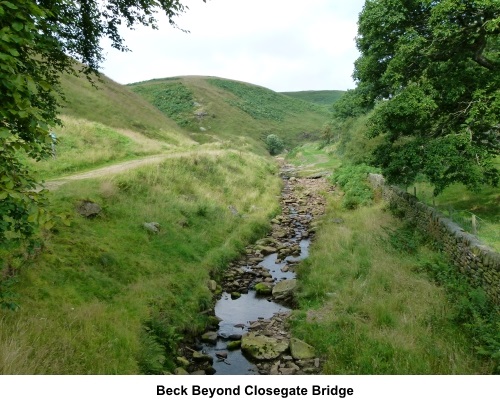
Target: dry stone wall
[472,257]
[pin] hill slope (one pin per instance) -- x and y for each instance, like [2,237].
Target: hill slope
[323,97]
[218,110]
[103,294]
[114,105]
[105,123]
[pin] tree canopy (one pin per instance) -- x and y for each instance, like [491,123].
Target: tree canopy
[431,70]
[40,40]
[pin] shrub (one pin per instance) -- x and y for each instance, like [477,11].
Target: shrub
[352,179]
[274,144]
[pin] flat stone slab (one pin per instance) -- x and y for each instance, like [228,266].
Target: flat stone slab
[210,337]
[301,350]
[261,347]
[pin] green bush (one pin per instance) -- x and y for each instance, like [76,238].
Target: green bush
[352,179]
[274,144]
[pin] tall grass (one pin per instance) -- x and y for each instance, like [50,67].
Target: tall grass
[368,312]
[83,144]
[105,296]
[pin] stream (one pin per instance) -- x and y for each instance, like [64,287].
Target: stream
[238,315]
[241,308]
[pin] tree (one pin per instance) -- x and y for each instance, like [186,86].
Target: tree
[40,40]
[432,69]
[274,144]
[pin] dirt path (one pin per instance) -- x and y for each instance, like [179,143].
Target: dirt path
[124,166]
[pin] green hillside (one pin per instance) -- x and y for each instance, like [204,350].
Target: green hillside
[114,105]
[323,97]
[106,122]
[84,296]
[218,110]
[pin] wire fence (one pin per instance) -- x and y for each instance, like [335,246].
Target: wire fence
[487,231]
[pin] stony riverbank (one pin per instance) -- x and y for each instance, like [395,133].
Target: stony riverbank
[267,270]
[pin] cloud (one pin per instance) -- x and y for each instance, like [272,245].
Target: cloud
[283,45]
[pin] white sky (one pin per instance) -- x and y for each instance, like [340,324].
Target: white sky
[284,45]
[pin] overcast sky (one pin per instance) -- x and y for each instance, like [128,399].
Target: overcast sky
[284,45]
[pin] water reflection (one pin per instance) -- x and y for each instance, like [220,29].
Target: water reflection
[236,316]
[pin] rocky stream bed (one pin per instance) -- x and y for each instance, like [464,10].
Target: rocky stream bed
[249,333]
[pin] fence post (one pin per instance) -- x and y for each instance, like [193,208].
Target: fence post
[474,224]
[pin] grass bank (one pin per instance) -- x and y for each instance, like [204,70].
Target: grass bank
[105,296]
[366,308]
[374,298]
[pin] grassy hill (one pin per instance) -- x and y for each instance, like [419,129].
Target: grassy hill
[323,97]
[106,122]
[114,105]
[220,110]
[102,295]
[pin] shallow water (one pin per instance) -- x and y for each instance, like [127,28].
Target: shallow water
[237,315]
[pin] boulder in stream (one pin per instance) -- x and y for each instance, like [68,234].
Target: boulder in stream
[266,250]
[284,290]
[212,285]
[202,357]
[210,337]
[261,347]
[180,371]
[264,288]
[235,345]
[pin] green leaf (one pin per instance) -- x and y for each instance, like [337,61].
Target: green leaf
[48,225]
[33,217]
[13,51]
[4,133]
[8,4]
[17,26]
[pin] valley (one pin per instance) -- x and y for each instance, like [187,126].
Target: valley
[109,294]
